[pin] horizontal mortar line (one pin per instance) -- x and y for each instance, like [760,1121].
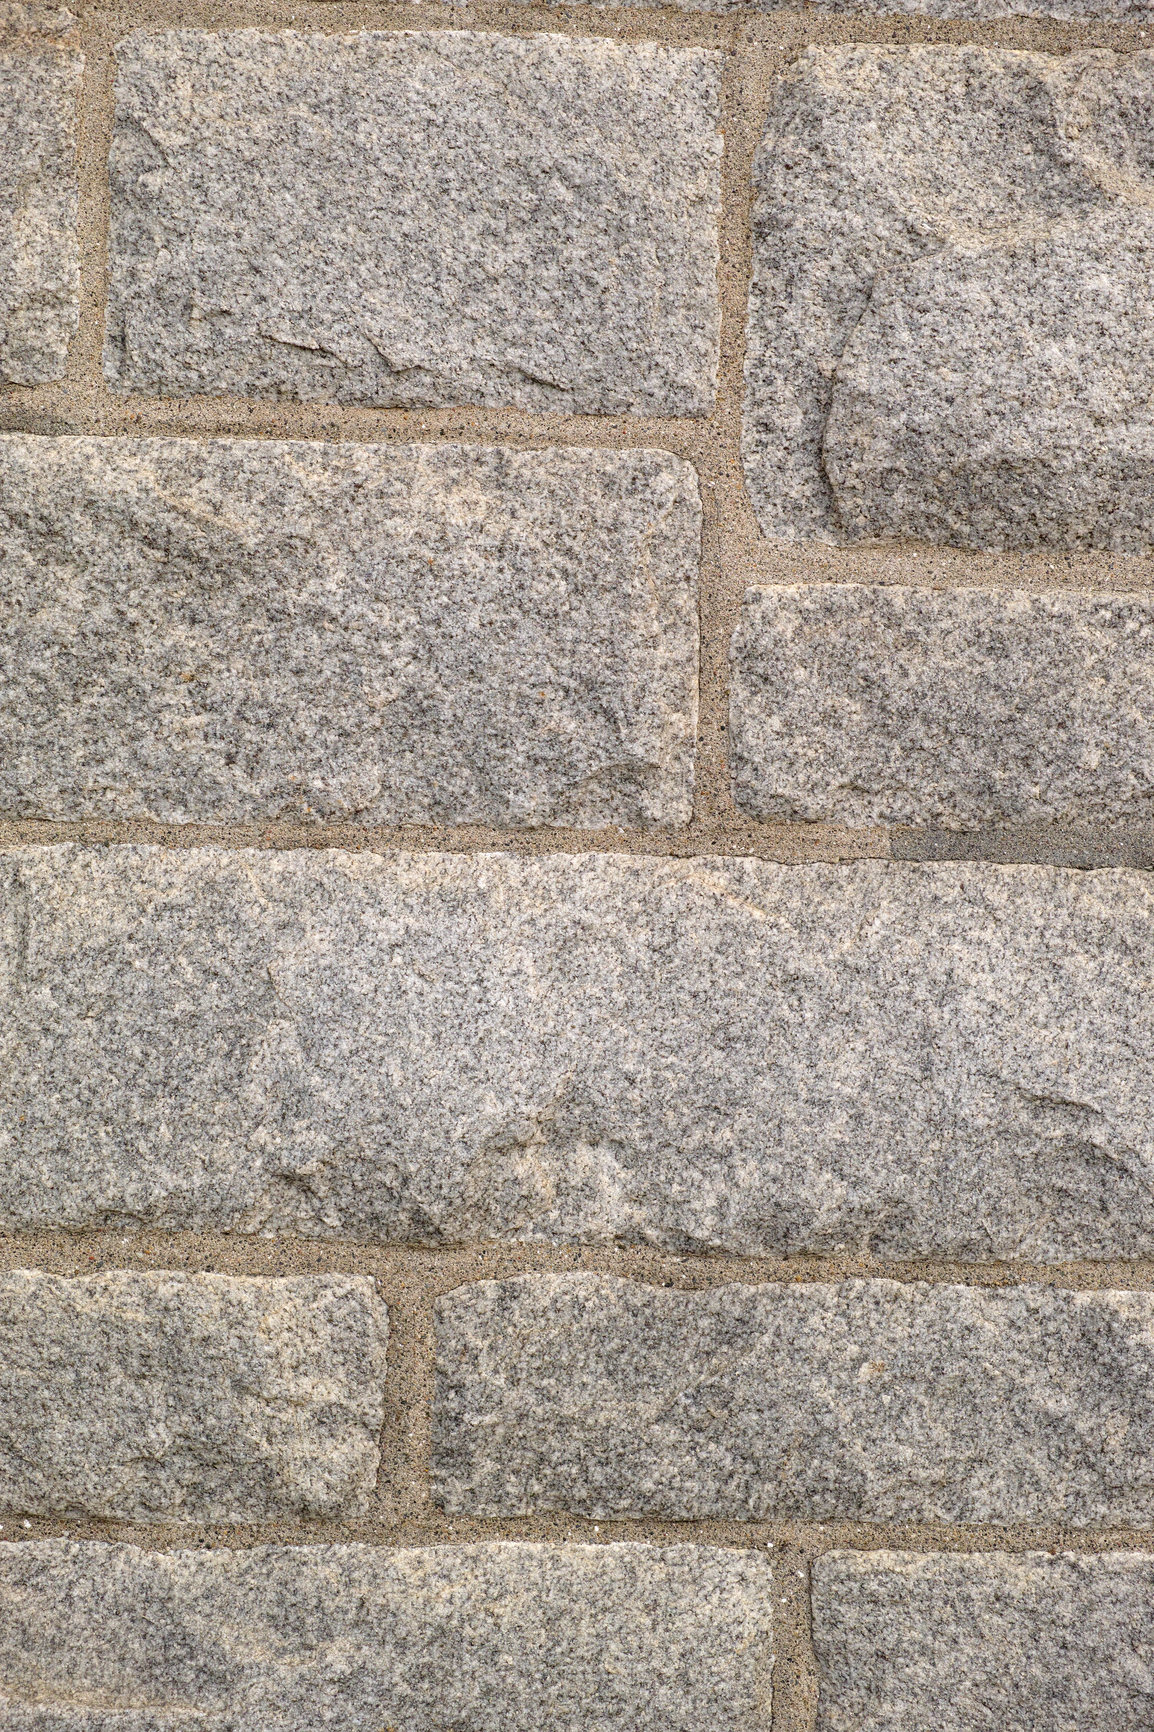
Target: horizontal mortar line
[408,1270]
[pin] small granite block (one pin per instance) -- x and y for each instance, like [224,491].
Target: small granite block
[962,1643]
[170,1397]
[233,631]
[481,1638]
[40,72]
[880,704]
[413,217]
[962,356]
[865,1401]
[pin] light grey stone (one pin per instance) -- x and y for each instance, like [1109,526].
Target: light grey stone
[960,356]
[480,1638]
[887,1056]
[865,1401]
[1053,1643]
[1068,9]
[231,630]
[40,72]
[416,217]
[882,704]
[189,1397]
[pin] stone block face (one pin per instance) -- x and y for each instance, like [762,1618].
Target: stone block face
[968,1643]
[40,72]
[938,1059]
[416,218]
[864,1401]
[1067,9]
[883,398]
[189,1397]
[493,1638]
[863,704]
[239,631]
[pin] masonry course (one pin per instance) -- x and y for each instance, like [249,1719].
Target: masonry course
[860,1401]
[882,399]
[230,631]
[495,1638]
[416,218]
[189,1397]
[866,704]
[700,1054]
[968,1643]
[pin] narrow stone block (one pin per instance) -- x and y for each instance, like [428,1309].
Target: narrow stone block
[961,357]
[908,1059]
[865,1401]
[40,71]
[171,1397]
[954,707]
[414,217]
[1066,9]
[968,1643]
[233,631]
[488,1638]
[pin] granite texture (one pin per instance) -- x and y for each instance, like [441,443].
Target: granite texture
[403,218]
[1033,1643]
[481,1638]
[233,631]
[865,1401]
[40,72]
[958,357]
[694,1053]
[189,1397]
[864,704]
[1074,10]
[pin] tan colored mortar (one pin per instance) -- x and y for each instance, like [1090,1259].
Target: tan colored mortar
[757,46]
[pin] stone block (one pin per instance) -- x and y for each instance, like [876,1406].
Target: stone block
[236,631]
[402,218]
[959,357]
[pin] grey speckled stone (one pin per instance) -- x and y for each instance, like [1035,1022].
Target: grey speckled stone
[437,1047]
[1071,9]
[231,630]
[868,1401]
[984,1643]
[961,357]
[482,1638]
[40,71]
[189,1397]
[405,218]
[866,705]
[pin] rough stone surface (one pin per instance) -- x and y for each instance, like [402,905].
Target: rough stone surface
[881,704]
[866,1401]
[482,1638]
[189,1397]
[1070,9]
[416,217]
[233,630]
[960,357]
[984,1643]
[950,1058]
[40,70]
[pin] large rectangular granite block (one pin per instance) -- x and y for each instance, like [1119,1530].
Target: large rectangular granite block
[483,1638]
[416,217]
[170,1397]
[729,1054]
[865,1401]
[234,631]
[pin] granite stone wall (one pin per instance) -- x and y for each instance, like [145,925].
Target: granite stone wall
[576,819]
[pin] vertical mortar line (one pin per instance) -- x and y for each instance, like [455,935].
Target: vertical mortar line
[794,1665]
[403,1486]
[84,383]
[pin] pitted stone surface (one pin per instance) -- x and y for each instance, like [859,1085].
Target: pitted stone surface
[482,1638]
[906,1058]
[231,631]
[416,218]
[1070,9]
[959,357]
[189,1397]
[40,71]
[865,704]
[865,1401]
[969,1644]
